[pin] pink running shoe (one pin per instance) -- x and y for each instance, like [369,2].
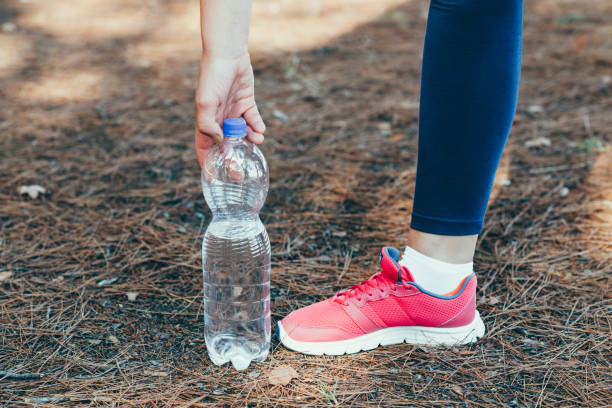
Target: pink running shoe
[388,308]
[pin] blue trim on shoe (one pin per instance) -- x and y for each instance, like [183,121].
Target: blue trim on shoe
[442,296]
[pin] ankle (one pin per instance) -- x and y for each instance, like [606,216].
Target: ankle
[445,248]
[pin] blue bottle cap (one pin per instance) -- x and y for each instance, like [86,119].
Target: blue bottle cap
[234,127]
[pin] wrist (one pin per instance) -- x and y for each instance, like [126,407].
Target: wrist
[210,56]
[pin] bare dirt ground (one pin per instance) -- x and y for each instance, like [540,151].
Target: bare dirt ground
[96,107]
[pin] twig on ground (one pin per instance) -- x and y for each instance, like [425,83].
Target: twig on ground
[4,375]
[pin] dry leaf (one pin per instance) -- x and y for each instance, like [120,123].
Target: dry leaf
[383,126]
[33,190]
[156,373]
[5,275]
[409,104]
[491,374]
[579,42]
[113,339]
[457,389]
[94,342]
[533,342]
[396,137]
[493,300]
[131,295]
[282,375]
[538,141]
[254,374]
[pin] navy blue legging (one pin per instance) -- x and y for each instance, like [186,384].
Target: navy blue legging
[469,89]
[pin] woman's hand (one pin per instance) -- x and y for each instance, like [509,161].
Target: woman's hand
[225,90]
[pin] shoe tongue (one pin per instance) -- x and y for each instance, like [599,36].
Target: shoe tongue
[389,263]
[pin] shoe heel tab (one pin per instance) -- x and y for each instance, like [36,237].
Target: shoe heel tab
[460,290]
[461,286]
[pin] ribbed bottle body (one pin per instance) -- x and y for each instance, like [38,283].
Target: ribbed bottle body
[236,256]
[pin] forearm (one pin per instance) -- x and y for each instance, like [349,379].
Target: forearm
[225,27]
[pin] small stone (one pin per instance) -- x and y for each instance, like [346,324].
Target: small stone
[9,27]
[280,115]
[106,303]
[105,282]
[33,190]
[538,141]
[534,109]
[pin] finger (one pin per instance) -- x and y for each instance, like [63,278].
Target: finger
[234,170]
[208,126]
[203,144]
[206,111]
[254,137]
[253,119]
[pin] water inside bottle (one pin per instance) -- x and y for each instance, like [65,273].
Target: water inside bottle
[237,292]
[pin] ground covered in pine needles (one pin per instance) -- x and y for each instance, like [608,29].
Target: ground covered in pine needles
[100,273]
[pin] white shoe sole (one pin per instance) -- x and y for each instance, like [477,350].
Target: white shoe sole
[448,336]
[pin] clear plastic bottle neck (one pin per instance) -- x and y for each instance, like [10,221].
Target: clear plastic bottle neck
[234,139]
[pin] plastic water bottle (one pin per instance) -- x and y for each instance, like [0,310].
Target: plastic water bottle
[236,251]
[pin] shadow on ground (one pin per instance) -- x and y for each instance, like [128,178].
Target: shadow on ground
[101,116]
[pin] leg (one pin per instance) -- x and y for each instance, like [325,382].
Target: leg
[469,87]
[447,248]
[471,67]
